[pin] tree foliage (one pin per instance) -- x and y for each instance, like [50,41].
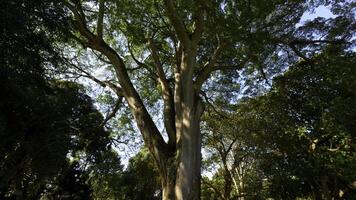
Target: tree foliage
[43,121]
[301,131]
[310,118]
[141,179]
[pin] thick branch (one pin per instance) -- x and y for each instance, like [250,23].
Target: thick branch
[177,23]
[149,130]
[169,113]
[178,54]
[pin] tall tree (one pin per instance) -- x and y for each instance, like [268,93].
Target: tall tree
[176,46]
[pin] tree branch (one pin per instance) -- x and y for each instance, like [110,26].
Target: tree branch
[199,22]
[99,28]
[100,57]
[212,106]
[113,112]
[209,66]
[298,53]
[109,84]
[264,75]
[296,41]
[231,145]
[79,40]
[78,8]
[80,20]
[177,23]
[306,42]
[167,94]
[148,128]
[214,188]
[139,63]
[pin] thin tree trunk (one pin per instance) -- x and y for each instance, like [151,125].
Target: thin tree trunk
[227,177]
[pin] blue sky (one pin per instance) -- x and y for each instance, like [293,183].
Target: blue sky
[320,11]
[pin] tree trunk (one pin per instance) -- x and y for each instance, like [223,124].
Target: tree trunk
[188,172]
[227,175]
[187,157]
[181,179]
[181,176]
[168,188]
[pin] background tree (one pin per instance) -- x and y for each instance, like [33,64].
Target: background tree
[141,179]
[302,130]
[299,135]
[227,150]
[105,177]
[71,184]
[43,121]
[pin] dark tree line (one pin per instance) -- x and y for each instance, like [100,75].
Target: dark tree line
[43,120]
